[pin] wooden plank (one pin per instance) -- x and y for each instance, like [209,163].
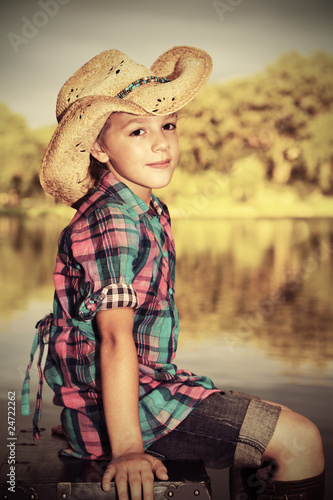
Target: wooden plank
[39,473]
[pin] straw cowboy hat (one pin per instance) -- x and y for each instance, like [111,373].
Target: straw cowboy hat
[107,83]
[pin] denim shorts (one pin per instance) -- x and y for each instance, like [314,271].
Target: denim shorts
[224,430]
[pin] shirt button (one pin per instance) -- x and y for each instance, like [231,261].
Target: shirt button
[170,291]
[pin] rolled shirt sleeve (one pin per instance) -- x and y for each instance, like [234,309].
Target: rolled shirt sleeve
[110,297]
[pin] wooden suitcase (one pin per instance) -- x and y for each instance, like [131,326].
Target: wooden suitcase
[34,471]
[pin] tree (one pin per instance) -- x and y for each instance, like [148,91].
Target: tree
[283,116]
[20,156]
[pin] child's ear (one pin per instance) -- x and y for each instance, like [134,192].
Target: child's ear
[98,152]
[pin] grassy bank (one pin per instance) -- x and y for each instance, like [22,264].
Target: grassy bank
[213,195]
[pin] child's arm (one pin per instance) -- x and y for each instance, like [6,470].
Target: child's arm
[120,390]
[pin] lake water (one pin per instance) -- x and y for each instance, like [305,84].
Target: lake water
[255,304]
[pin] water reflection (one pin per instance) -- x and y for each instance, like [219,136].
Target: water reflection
[262,283]
[266,283]
[27,255]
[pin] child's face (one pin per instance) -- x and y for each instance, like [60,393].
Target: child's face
[142,151]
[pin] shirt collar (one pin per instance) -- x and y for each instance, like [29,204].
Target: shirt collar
[109,184]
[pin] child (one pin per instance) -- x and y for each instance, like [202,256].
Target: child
[113,333]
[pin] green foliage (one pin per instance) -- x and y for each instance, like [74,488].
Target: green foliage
[317,150]
[21,152]
[283,117]
[277,126]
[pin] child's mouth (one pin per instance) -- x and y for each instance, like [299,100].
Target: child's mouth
[160,164]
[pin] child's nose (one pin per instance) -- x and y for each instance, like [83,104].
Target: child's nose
[160,142]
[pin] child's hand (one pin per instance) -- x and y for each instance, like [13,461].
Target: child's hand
[135,470]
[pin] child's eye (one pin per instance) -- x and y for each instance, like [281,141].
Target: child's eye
[137,132]
[169,126]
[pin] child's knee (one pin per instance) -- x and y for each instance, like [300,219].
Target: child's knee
[294,436]
[296,447]
[305,430]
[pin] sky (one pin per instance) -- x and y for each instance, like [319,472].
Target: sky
[43,42]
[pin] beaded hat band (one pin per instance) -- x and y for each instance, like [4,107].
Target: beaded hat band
[139,82]
[112,82]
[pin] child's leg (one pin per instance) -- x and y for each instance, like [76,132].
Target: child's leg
[294,467]
[224,429]
[252,484]
[296,447]
[238,430]
[58,430]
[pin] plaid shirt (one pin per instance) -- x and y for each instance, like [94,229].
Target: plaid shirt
[117,252]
